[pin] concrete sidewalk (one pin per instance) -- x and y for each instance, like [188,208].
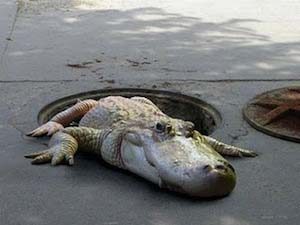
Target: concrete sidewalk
[224,53]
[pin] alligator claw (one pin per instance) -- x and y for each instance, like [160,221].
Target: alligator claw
[248,153]
[35,154]
[55,155]
[48,129]
[44,158]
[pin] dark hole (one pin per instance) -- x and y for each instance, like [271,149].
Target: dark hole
[203,115]
[207,168]
[220,167]
[160,127]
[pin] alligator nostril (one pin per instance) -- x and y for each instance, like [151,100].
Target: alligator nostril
[220,167]
[207,168]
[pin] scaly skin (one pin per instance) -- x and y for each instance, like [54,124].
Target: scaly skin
[133,134]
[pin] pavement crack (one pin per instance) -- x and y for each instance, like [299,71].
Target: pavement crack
[38,81]
[160,80]
[235,80]
[10,34]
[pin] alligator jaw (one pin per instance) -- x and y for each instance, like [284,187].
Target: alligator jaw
[189,168]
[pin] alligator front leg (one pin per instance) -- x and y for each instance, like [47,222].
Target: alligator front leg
[64,118]
[225,149]
[222,148]
[64,144]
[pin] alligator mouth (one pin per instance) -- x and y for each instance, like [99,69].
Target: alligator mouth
[205,117]
[215,184]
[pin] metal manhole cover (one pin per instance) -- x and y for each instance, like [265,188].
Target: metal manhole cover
[205,117]
[276,112]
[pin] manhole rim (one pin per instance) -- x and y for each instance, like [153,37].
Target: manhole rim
[71,99]
[261,128]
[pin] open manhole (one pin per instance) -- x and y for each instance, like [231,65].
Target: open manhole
[204,116]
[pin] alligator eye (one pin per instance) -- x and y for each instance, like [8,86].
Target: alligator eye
[160,127]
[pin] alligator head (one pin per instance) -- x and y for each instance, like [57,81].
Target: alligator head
[181,163]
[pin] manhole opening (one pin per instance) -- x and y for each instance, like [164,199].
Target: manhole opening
[205,117]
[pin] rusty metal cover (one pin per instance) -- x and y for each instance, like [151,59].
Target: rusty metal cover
[276,112]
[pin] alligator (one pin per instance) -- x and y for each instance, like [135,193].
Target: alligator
[135,135]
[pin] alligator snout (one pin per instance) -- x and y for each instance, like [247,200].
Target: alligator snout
[209,180]
[205,181]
